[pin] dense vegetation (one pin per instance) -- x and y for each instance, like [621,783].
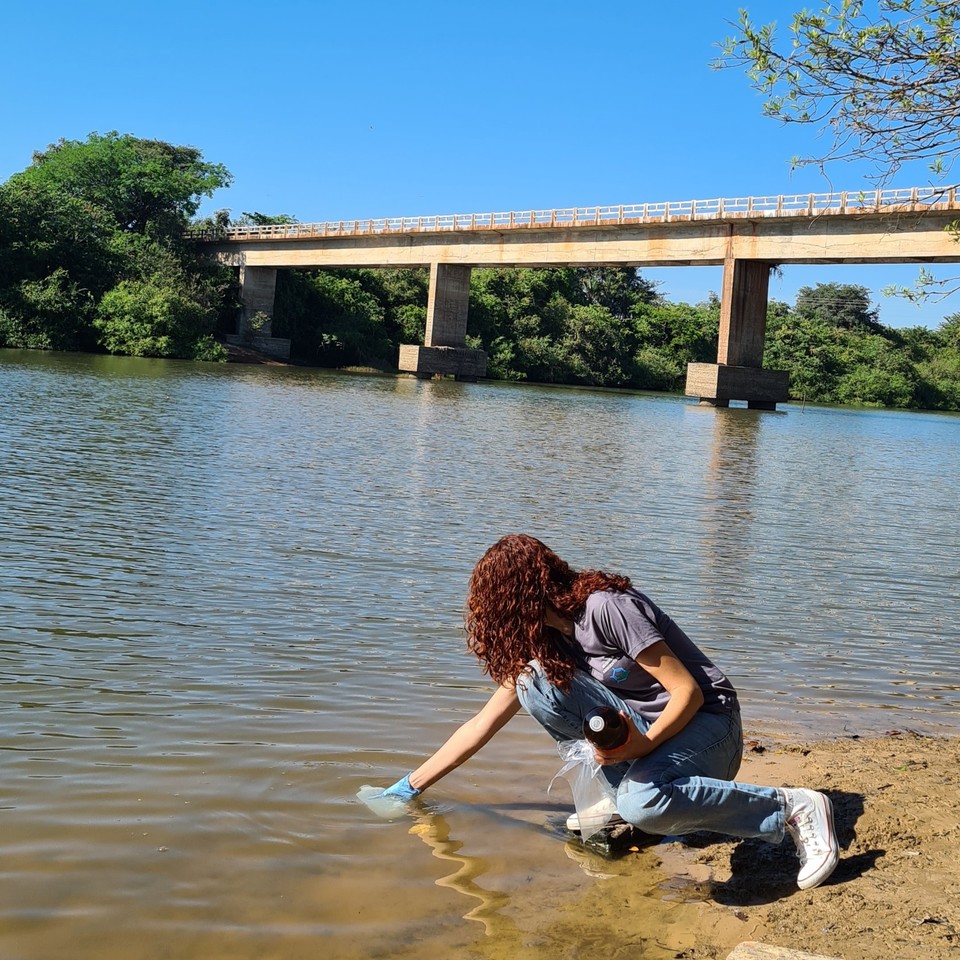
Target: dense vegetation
[609,327]
[94,256]
[606,327]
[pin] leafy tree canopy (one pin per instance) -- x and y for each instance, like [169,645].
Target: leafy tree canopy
[842,305]
[618,289]
[149,318]
[257,219]
[147,185]
[949,330]
[42,229]
[883,77]
[93,255]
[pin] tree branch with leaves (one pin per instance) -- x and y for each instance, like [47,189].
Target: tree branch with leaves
[883,78]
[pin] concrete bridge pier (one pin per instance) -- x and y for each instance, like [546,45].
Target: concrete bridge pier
[258,287]
[444,349]
[738,373]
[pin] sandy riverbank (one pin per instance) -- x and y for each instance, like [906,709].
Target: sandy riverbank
[896,892]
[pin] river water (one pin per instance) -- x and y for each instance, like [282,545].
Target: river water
[230,596]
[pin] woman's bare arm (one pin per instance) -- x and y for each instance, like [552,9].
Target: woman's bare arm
[686,698]
[468,738]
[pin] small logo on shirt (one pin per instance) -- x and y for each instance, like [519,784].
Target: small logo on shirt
[619,673]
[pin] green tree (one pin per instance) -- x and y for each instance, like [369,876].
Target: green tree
[57,256]
[685,333]
[874,372]
[110,214]
[499,298]
[331,319]
[938,368]
[617,289]
[842,305]
[257,219]
[402,295]
[882,78]
[557,325]
[847,361]
[949,331]
[669,336]
[43,228]
[939,387]
[351,317]
[155,318]
[147,185]
[48,313]
[808,349]
[598,347]
[657,369]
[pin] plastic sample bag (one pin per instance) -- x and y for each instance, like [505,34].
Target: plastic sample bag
[594,797]
[387,807]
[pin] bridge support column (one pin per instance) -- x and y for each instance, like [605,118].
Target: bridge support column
[738,373]
[258,286]
[444,349]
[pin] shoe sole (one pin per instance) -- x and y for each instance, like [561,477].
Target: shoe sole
[829,865]
[615,820]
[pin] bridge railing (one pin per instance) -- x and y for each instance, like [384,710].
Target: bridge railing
[783,205]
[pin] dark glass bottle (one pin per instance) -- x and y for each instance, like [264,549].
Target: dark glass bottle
[605,728]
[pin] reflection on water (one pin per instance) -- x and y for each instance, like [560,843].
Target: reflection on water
[230,596]
[434,831]
[729,488]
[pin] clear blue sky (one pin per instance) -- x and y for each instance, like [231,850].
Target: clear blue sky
[336,109]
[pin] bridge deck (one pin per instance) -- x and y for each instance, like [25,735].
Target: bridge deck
[810,205]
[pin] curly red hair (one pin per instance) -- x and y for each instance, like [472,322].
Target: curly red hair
[510,588]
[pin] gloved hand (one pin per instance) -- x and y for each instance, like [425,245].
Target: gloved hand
[390,803]
[402,790]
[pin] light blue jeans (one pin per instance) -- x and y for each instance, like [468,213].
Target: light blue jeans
[683,786]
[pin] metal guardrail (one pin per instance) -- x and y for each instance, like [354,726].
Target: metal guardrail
[911,199]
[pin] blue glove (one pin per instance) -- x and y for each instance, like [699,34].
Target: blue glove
[390,803]
[402,790]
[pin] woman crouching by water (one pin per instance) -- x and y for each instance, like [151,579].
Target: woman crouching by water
[561,643]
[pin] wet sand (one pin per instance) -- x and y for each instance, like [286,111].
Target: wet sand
[896,892]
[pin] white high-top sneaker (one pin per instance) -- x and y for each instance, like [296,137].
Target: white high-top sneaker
[809,818]
[596,817]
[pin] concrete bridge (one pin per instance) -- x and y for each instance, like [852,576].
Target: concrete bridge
[748,236]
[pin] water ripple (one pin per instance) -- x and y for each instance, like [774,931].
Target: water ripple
[228,597]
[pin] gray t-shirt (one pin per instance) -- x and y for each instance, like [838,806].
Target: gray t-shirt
[616,627]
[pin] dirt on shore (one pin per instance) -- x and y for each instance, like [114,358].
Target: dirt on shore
[896,892]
